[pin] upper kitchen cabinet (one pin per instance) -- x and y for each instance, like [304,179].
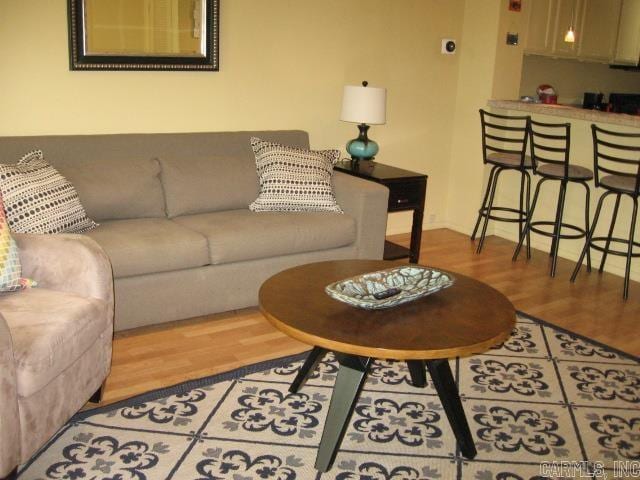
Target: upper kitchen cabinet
[595,23]
[540,26]
[627,50]
[597,32]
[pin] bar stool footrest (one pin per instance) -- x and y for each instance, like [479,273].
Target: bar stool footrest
[610,251]
[573,236]
[521,216]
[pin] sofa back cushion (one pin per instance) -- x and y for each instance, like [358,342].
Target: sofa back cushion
[207,184]
[119,176]
[216,171]
[115,178]
[118,188]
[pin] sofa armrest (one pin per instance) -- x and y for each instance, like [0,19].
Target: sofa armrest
[9,415]
[367,202]
[68,263]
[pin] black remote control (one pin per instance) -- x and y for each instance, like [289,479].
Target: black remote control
[386,293]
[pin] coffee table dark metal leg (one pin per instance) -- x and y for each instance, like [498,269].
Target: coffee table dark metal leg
[307,368]
[351,377]
[418,373]
[446,387]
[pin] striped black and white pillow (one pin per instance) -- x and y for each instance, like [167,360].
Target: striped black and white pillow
[294,179]
[38,199]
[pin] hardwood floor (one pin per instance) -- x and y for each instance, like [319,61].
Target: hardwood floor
[155,357]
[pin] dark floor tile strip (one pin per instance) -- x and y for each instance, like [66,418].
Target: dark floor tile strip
[524,357]
[417,392]
[135,429]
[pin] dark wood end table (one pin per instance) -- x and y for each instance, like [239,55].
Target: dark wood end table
[407,191]
[469,317]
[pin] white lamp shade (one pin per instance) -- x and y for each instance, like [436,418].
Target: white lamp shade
[364,105]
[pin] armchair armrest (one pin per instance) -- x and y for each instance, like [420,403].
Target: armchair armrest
[367,202]
[9,415]
[68,263]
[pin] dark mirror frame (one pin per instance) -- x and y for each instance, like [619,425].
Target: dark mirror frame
[78,60]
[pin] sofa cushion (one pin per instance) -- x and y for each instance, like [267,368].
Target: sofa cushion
[237,235]
[150,245]
[117,188]
[50,330]
[210,183]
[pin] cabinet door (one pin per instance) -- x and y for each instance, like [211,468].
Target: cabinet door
[597,32]
[628,45]
[540,26]
[568,13]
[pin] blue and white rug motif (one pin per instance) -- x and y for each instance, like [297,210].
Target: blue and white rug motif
[545,395]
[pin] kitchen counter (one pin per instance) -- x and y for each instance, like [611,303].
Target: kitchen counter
[569,111]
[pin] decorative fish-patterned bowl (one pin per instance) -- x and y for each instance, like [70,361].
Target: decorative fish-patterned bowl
[390,287]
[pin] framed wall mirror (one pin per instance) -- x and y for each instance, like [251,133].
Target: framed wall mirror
[143,34]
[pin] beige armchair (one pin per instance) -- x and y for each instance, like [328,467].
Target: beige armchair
[55,341]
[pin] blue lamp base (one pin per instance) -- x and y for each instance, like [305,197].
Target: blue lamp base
[362,148]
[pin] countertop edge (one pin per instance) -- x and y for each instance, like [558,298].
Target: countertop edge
[568,111]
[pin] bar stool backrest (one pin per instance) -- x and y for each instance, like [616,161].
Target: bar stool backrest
[550,143]
[504,134]
[616,153]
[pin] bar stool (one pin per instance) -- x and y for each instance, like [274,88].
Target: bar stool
[550,146]
[617,156]
[504,146]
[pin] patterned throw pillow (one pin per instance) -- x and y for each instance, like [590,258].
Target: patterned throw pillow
[10,268]
[39,200]
[294,179]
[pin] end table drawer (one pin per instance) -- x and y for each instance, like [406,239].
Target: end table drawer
[405,195]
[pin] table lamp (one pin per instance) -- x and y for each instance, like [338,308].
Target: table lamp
[365,106]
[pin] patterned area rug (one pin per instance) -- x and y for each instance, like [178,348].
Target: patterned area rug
[545,395]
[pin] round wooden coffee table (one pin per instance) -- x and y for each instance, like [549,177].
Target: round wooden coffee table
[468,317]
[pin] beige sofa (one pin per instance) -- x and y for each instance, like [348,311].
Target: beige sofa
[55,341]
[174,220]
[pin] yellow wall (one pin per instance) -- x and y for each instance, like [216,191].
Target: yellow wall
[283,65]
[488,68]
[572,78]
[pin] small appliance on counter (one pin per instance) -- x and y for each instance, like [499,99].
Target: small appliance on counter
[547,94]
[625,103]
[593,101]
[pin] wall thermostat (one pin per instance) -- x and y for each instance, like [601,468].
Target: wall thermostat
[448,46]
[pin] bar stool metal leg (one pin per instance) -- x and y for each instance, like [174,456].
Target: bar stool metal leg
[632,232]
[488,209]
[587,243]
[528,198]
[587,203]
[612,226]
[527,227]
[558,227]
[484,202]
[521,221]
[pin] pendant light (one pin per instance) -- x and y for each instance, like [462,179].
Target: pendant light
[570,36]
